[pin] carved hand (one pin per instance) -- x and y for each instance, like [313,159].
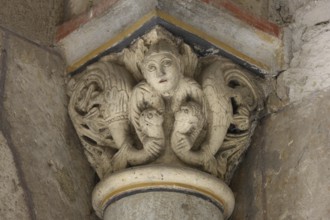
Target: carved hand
[153,147]
[209,162]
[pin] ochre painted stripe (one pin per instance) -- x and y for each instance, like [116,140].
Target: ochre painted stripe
[113,41]
[211,39]
[177,23]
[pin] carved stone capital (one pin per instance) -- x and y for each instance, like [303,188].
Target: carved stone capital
[157,102]
[157,118]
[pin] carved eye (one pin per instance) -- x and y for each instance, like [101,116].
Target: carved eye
[167,63]
[151,67]
[150,115]
[185,110]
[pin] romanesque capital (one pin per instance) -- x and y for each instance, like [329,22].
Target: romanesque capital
[158,102]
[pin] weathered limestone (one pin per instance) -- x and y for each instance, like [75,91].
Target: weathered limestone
[285,174]
[56,179]
[308,70]
[13,204]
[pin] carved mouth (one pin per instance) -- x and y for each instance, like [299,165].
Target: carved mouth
[163,80]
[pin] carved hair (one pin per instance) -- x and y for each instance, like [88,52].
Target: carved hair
[165,47]
[197,112]
[162,46]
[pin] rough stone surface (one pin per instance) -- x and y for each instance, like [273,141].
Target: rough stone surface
[35,20]
[12,200]
[308,70]
[58,179]
[1,55]
[286,173]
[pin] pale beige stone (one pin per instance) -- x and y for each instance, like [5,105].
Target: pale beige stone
[149,104]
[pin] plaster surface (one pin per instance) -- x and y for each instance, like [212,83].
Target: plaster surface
[57,178]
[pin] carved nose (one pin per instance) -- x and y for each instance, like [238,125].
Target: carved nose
[161,72]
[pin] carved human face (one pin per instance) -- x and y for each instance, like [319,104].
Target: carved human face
[151,123]
[185,119]
[162,72]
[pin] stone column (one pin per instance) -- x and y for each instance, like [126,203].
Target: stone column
[162,192]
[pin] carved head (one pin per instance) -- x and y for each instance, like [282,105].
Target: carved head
[189,118]
[151,123]
[161,67]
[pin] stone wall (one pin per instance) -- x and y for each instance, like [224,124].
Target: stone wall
[35,20]
[44,173]
[286,172]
